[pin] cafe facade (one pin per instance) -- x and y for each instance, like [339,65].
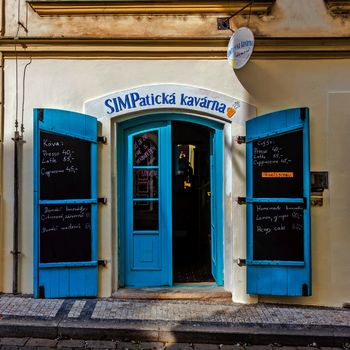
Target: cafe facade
[144,160]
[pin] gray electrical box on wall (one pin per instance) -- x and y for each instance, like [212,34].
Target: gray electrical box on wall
[319,182]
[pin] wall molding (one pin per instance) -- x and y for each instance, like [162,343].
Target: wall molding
[338,7]
[172,48]
[146,7]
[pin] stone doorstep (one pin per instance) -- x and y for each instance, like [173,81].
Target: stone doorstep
[202,293]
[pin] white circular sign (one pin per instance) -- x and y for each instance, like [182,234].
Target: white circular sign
[240,47]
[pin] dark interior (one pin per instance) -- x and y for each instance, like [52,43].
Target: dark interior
[191,203]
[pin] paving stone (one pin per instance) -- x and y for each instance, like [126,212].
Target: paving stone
[42,342]
[232,347]
[259,347]
[13,341]
[152,345]
[71,343]
[178,346]
[205,347]
[139,346]
[100,344]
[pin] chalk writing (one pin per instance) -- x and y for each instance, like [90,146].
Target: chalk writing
[278,166]
[65,232]
[278,231]
[64,167]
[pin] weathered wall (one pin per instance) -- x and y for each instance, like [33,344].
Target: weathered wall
[288,18]
[269,85]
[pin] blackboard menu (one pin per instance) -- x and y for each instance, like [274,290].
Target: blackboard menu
[278,166]
[64,167]
[65,232]
[278,231]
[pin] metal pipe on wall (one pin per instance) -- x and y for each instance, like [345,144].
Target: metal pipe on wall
[15,252]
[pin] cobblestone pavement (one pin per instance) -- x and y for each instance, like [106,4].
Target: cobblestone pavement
[172,311]
[168,320]
[79,344]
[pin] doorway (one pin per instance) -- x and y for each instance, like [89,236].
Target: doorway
[171,190]
[191,203]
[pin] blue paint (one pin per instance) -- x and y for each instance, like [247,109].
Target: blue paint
[153,276]
[278,277]
[67,279]
[148,252]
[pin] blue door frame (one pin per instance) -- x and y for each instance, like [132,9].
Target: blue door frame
[162,122]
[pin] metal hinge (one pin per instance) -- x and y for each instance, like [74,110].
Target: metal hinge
[102,200]
[102,139]
[241,200]
[41,114]
[240,139]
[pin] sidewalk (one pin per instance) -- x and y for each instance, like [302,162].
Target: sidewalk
[173,321]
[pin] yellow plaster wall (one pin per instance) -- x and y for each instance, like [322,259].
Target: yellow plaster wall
[277,85]
[288,18]
[268,84]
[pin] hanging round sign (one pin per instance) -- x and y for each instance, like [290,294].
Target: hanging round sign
[240,47]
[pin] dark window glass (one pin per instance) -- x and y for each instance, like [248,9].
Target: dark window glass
[145,215]
[145,183]
[146,149]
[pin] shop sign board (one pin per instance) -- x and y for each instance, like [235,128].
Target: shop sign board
[240,47]
[170,96]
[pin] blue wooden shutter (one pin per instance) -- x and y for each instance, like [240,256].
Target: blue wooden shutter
[278,204]
[65,204]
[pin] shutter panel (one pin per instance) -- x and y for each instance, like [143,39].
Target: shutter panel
[65,204]
[278,204]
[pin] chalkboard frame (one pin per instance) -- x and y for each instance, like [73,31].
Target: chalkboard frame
[92,199]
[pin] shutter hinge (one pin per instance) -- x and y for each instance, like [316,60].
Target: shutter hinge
[241,200]
[102,139]
[41,292]
[102,262]
[240,139]
[305,203]
[41,114]
[102,200]
[240,262]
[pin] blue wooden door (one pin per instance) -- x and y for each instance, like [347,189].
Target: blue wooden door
[278,204]
[148,227]
[65,204]
[216,204]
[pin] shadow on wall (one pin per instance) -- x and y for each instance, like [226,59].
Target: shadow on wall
[256,77]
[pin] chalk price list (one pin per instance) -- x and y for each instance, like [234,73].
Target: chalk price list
[65,232]
[64,167]
[278,231]
[267,152]
[278,166]
[65,158]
